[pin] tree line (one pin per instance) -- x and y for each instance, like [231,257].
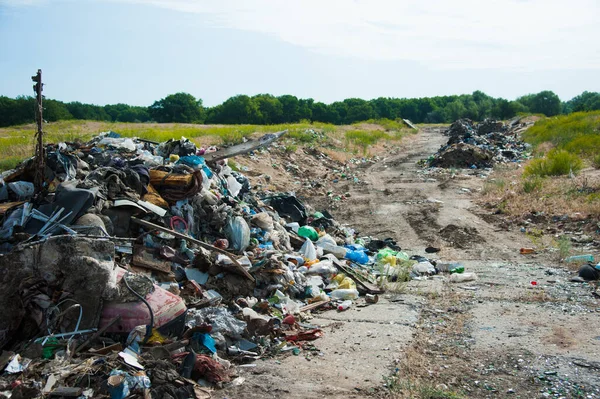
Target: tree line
[265,109]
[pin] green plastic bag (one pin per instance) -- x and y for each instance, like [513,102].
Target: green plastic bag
[308,232]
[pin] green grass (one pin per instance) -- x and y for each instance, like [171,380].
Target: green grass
[555,163]
[577,133]
[532,184]
[363,139]
[17,142]
[596,161]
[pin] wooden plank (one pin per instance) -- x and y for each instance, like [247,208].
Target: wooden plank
[314,305]
[153,226]
[96,335]
[243,148]
[6,206]
[366,286]
[67,392]
[144,257]
[409,124]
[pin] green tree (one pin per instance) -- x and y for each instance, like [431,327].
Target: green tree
[270,108]
[586,101]
[291,108]
[544,102]
[358,110]
[178,107]
[237,110]
[55,110]
[455,110]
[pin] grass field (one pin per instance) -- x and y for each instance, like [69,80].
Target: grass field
[17,142]
[578,133]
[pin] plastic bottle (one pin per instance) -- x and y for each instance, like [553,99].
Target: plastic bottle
[344,294]
[457,268]
[580,259]
[344,305]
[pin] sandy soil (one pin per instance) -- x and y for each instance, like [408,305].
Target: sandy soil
[499,336]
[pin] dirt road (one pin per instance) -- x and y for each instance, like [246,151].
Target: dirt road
[499,336]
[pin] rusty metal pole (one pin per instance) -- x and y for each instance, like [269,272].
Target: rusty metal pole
[39,135]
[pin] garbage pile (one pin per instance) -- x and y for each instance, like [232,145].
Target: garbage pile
[148,269]
[482,145]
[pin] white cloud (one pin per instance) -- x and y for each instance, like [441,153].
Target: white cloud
[440,34]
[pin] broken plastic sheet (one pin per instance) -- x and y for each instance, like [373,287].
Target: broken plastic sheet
[221,320]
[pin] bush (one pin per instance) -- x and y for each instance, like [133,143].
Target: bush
[555,163]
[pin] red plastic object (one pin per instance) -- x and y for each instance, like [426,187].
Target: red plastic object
[289,319]
[534,283]
[310,335]
[165,305]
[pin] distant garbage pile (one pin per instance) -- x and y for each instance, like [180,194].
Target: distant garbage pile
[482,145]
[148,269]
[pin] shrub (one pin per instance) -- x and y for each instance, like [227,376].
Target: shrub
[555,163]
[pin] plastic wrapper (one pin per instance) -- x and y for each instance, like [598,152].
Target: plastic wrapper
[308,232]
[219,318]
[263,220]
[323,268]
[308,250]
[238,233]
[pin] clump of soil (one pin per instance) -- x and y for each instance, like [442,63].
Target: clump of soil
[460,237]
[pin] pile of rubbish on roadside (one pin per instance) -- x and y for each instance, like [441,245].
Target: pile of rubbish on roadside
[148,269]
[481,145]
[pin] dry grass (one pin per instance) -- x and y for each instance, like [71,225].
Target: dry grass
[419,364]
[535,295]
[515,195]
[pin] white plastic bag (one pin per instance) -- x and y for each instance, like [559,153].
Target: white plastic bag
[238,233]
[308,250]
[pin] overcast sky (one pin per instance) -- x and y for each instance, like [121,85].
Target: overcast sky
[138,51]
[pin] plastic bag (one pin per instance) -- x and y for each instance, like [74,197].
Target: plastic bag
[233,186]
[263,220]
[238,233]
[221,320]
[323,268]
[308,232]
[357,256]
[23,189]
[462,277]
[308,250]
[344,294]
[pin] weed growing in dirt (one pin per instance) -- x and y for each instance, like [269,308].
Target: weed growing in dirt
[532,184]
[290,148]
[493,185]
[407,389]
[555,163]
[596,161]
[564,246]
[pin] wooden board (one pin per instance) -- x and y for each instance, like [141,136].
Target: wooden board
[243,148]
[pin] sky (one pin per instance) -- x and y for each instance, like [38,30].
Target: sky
[138,51]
